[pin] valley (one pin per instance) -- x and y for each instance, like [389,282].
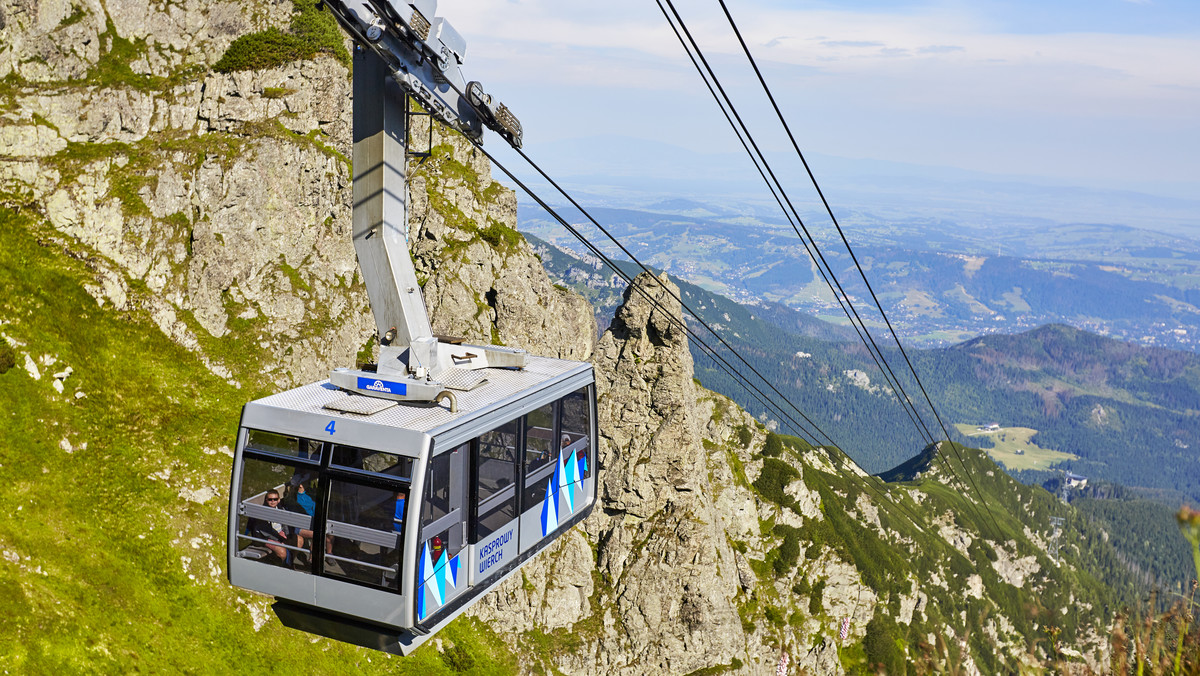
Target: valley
[1111,409]
[177,211]
[941,281]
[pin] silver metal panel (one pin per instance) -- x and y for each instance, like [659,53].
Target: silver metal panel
[275,515]
[450,37]
[506,395]
[493,553]
[311,421]
[411,531]
[380,216]
[452,519]
[410,642]
[273,580]
[231,541]
[497,414]
[383,538]
[405,430]
[357,403]
[531,528]
[458,496]
[370,604]
[426,7]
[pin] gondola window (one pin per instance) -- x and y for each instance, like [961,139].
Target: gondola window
[496,480]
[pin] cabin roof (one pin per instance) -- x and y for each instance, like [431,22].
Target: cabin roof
[503,386]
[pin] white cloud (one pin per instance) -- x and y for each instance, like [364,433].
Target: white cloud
[628,43]
[580,66]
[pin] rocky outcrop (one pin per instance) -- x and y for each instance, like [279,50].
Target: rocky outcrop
[648,585]
[483,281]
[53,41]
[227,198]
[232,223]
[661,539]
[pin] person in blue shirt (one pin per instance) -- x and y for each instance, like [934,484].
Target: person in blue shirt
[302,500]
[305,500]
[398,518]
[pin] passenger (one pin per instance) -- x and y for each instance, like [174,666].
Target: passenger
[564,442]
[301,499]
[275,533]
[398,518]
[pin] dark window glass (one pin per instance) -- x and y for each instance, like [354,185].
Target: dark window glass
[437,490]
[443,496]
[376,462]
[539,465]
[274,526]
[496,480]
[281,444]
[362,539]
[576,428]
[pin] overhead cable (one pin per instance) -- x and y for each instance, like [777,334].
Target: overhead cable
[712,353]
[849,249]
[905,401]
[757,156]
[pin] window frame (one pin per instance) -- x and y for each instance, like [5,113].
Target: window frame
[475,506]
[545,470]
[327,472]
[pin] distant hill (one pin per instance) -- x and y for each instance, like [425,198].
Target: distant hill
[940,280]
[1128,412]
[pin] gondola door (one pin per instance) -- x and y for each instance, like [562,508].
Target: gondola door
[441,570]
[495,471]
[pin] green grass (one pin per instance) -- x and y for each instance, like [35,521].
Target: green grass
[103,568]
[277,92]
[312,32]
[1009,440]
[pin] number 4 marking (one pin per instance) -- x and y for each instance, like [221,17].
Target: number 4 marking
[330,428]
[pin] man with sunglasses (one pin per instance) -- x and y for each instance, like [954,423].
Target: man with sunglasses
[273,532]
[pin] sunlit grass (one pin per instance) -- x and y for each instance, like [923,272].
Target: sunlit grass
[104,565]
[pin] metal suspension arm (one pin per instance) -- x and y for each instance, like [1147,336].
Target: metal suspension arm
[405,53]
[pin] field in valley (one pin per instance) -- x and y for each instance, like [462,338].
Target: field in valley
[1007,441]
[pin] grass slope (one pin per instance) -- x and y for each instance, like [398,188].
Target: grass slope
[103,565]
[921,513]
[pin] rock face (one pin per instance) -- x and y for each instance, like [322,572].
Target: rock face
[231,222]
[660,536]
[228,199]
[49,41]
[484,282]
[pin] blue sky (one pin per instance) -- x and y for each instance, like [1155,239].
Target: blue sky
[1089,92]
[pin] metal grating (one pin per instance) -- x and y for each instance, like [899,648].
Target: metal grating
[504,348]
[461,379]
[503,385]
[356,403]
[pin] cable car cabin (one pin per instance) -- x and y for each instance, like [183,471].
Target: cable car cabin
[379,528]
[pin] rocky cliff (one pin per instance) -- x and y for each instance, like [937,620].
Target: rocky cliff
[206,217]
